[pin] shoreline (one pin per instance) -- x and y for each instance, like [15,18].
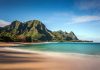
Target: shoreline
[10,46]
[50,53]
[5,44]
[18,59]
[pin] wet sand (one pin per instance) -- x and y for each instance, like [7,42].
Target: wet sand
[19,60]
[7,44]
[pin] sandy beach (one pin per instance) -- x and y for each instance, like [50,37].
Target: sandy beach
[11,59]
[7,44]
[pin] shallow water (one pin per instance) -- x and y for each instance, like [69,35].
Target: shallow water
[66,47]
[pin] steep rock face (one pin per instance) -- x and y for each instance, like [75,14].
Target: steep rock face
[33,29]
[72,35]
[0,29]
[64,36]
[37,30]
[13,28]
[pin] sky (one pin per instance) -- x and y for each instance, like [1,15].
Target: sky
[80,16]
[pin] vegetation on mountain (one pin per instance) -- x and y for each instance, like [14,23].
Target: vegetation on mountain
[32,31]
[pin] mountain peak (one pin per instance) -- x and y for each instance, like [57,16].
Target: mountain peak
[72,33]
[16,23]
[37,22]
[34,30]
[33,21]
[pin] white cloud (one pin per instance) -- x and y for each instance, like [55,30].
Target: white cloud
[3,23]
[84,19]
[70,18]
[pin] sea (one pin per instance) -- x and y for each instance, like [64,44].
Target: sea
[90,48]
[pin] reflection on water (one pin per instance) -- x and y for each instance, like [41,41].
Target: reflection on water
[86,48]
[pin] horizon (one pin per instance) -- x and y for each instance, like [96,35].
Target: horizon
[80,16]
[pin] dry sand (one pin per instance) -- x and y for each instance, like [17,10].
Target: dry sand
[16,60]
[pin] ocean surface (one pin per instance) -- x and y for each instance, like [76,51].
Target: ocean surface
[65,47]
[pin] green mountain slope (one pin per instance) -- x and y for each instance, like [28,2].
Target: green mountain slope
[32,31]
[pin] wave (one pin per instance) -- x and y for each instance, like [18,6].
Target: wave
[54,54]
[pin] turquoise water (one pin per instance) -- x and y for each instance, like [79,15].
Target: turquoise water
[70,47]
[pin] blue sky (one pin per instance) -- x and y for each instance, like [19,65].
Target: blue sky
[80,16]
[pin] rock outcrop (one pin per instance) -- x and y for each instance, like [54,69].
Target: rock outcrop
[33,30]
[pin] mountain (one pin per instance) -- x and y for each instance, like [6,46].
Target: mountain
[72,35]
[64,36]
[32,31]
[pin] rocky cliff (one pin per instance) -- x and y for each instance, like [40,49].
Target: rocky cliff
[31,31]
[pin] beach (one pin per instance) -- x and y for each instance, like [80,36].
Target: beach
[7,44]
[14,59]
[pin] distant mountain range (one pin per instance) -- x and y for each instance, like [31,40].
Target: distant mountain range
[33,31]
